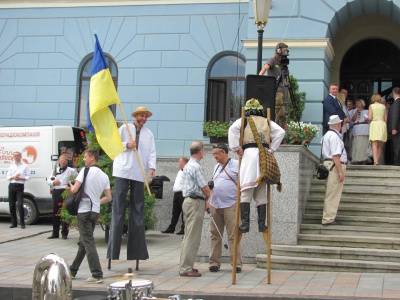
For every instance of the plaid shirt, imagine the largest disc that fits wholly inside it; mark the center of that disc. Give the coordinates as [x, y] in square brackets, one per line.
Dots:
[193, 179]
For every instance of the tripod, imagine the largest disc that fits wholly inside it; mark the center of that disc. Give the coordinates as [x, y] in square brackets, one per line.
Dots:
[283, 81]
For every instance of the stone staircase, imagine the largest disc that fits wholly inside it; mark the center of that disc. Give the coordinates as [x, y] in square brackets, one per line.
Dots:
[368, 237]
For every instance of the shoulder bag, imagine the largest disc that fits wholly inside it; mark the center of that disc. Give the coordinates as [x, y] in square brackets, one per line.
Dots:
[72, 201]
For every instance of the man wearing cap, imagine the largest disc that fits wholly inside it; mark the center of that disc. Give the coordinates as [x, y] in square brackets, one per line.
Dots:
[335, 160]
[273, 68]
[129, 177]
[252, 184]
[223, 207]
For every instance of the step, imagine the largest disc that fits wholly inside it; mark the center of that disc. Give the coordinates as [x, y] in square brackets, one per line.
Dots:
[360, 190]
[324, 252]
[355, 221]
[358, 200]
[349, 241]
[360, 210]
[350, 230]
[332, 265]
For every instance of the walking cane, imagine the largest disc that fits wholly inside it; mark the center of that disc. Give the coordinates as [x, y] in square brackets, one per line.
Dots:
[238, 233]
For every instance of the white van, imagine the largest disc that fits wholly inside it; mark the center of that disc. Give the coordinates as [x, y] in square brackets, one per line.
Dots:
[40, 147]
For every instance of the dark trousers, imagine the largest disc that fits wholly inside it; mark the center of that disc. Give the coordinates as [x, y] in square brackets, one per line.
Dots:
[136, 245]
[86, 246]
[57, 202]
[396, 149]
[177, 211]
[16, 199]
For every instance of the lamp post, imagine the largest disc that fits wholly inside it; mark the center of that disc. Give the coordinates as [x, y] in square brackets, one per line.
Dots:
[261, 13]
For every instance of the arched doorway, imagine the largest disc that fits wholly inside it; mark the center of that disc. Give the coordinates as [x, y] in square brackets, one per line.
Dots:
[370, 66]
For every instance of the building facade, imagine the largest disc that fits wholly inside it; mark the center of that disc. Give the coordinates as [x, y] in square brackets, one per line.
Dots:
[187, 61]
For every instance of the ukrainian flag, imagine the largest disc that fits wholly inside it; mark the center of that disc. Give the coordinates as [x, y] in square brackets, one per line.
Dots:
[102, 94]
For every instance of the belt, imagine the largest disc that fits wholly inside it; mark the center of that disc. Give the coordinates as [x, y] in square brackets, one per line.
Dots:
[330, 159]
[197, 197]
[254, 145]
[11, 183]
[359, 123]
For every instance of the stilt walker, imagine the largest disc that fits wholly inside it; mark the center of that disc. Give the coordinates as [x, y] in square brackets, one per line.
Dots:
[140, 164]
[254, 138]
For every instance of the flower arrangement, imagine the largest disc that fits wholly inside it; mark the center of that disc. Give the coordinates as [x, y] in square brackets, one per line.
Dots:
[299, 133]
[216, 128]
[105, 163]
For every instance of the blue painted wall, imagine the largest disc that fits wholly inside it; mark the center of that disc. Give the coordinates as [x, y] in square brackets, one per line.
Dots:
[162, 53]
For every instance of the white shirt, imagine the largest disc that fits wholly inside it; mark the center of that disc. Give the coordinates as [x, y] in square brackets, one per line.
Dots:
[95, 183]
[125, 164]
[64, 177]
[178, 182]
[23, 171]
[332, 144]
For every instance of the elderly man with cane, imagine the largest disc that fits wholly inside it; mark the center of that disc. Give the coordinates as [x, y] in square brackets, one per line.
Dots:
[223, 207]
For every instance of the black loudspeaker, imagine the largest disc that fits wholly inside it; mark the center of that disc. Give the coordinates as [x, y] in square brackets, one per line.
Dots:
[262, 88]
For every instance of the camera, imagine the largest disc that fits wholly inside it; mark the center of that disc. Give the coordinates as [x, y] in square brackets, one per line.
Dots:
[211, 184]
[284, 56]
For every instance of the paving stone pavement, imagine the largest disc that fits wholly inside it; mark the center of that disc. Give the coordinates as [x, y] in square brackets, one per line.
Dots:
[21, 249]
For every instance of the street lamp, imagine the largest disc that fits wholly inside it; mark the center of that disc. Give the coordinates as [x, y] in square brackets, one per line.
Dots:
[261, 13]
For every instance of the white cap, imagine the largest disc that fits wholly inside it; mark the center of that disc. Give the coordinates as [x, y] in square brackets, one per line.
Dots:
[334, 119]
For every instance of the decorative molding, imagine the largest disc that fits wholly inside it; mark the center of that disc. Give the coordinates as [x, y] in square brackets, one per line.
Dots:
[80, 3]
[303, 44]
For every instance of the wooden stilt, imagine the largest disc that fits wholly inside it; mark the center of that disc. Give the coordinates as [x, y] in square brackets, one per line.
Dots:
[269, 233]
[137, 265]
[238, 233]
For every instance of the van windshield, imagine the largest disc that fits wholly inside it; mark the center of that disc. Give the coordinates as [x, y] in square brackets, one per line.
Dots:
[73, 148]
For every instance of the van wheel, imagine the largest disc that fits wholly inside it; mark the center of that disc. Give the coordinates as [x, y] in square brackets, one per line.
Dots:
[31, 212]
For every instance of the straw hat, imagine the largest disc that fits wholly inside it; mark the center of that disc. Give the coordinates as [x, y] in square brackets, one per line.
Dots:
[334, 119]
[141, 110]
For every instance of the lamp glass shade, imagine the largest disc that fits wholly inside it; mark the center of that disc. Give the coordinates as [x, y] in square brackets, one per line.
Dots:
[261, 11]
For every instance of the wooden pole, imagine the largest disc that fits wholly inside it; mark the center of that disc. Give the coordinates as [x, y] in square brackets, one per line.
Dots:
[135, 150]
[238, 233]
[268, 240]
[269, 233]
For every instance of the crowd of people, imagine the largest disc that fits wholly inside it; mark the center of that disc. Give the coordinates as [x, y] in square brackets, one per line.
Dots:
[352, 133]
[367, 133]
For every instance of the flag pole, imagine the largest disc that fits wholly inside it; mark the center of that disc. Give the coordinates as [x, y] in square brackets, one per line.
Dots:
[134, 149]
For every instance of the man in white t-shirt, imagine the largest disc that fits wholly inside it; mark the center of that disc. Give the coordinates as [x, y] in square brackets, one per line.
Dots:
[178, 200]
[96, 183]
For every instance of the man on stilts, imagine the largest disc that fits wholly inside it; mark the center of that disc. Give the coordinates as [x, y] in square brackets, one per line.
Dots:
[252, 185]
[128, 169]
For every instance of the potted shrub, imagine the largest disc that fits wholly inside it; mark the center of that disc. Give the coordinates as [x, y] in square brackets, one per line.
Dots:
[216, 130]
[299, 133]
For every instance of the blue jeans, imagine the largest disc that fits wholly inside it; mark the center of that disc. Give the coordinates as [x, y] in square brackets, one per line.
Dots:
[86, 223]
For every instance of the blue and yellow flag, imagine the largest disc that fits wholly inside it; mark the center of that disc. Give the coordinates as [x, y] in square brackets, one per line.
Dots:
[102, 94]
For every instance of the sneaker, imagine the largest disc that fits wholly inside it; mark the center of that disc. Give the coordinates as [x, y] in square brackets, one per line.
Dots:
[94, 280]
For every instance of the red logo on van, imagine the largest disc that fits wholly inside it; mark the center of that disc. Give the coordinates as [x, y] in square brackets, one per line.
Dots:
[29, 155]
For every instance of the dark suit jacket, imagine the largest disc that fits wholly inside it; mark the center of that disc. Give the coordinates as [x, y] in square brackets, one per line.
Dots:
[332, 107]
[394, 118]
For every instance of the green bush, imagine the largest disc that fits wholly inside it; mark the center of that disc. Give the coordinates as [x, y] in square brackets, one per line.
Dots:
[105, 164]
